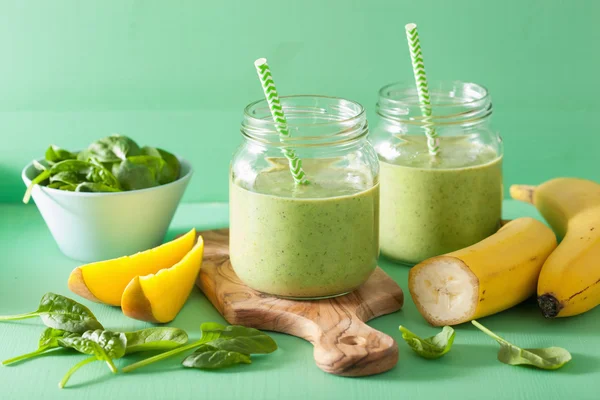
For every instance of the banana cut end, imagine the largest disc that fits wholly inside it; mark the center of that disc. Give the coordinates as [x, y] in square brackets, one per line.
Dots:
[444, 290]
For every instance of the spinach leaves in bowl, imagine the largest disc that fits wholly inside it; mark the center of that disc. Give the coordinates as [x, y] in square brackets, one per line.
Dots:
[113, 164]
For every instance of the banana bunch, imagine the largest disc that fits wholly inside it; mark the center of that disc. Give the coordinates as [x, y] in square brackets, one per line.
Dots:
[520, 259]
[569, 283]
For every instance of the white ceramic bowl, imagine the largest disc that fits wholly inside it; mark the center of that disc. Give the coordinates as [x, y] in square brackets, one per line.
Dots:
[99, 226]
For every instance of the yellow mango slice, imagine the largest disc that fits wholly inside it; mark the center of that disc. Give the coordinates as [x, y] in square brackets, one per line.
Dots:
[159, 297]
[105, 281]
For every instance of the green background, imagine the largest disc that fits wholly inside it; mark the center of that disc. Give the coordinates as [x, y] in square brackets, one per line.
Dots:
[177, 74]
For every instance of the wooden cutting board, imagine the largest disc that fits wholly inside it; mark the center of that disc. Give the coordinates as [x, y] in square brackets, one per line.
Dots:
[343, 343]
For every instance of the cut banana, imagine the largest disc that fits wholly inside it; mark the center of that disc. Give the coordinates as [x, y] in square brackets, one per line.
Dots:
[488, 277]
[445, 287]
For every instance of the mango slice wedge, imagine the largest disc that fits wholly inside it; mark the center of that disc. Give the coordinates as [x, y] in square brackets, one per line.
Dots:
[159, 297]
[105, 281]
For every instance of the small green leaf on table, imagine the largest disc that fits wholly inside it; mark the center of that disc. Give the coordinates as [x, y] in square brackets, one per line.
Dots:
[103, 345]
[209, 357]
[432, 347]
[60, 312]
[229, 339]
[544, 358]
[159, 338]
[48, 341]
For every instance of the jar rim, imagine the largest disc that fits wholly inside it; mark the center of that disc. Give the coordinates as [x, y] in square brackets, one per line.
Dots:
[311, 120]
[452, 102]
[360, 112]
[410, 86]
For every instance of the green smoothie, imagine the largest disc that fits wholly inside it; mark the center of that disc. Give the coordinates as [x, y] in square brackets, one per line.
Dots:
[434, 206]
[310, 241]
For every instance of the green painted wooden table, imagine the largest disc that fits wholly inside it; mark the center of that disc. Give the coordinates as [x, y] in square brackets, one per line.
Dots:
[31, 265]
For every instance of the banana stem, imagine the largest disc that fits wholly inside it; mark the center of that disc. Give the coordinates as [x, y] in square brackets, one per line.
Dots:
[523, 193]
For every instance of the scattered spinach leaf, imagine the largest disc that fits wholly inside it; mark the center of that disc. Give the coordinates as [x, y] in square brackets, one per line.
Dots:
[545, 358]
[244, 340]
[209, 357]
[155, 339]
[60, 312]
[48, 341]
[113, 343]
[103, 345]
[432, 347]
[74, 368]
[216, 335]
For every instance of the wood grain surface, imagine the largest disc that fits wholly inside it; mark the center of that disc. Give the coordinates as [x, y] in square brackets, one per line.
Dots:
[343, 343]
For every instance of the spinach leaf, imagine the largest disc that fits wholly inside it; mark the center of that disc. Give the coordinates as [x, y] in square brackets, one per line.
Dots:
[68, 187]
[112, 149]
[75, 172]
[35, 181]
[55, 154]
[100, 174]
[101, 344]
[151, 151]
[72, 370]
[155, 339]
[171, 170]
[39, 166]
[113, 343]
[545, 358]
[111, 164]
[139, 172]
[60, 312]
[244, 340]
[211, 331]
[84, 346]
[431, 347]
[235, 339]
[67, 178]
[209, 357]
[48, 341]
[94, 187]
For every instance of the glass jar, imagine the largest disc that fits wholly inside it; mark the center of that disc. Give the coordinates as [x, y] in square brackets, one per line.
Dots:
[432, 205]
[312, 240]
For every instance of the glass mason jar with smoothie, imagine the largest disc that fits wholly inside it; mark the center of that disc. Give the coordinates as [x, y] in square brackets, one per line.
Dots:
[435, 204]
[310, 240]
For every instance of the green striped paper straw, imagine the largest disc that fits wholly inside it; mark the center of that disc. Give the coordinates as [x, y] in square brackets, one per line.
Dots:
[266, 79]
[416, 56]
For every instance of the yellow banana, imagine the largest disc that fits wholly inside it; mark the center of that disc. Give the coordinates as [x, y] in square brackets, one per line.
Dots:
[569, 282]
[488, 277]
